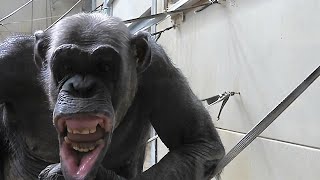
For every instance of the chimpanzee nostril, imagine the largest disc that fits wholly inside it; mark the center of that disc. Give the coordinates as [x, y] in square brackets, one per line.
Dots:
[80, 86]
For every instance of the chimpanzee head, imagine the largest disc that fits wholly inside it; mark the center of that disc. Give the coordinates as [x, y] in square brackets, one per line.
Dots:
[89, 65]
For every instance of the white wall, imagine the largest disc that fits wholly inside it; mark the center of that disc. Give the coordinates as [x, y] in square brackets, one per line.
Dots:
[263, 49]
[128, 9]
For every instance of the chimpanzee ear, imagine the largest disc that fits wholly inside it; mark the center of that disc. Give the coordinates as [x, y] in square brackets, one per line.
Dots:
[142, 50]
[40, 48]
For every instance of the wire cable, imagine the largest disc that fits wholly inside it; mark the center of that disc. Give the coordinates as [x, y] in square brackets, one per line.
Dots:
[23, 21]
[13, 12]
[66, 13]
[4, 27]
[100, 6]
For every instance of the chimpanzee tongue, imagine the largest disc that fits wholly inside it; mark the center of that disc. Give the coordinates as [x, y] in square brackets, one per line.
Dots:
[75, 166]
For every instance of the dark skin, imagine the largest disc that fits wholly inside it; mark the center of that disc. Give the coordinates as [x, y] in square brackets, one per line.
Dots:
[97, 76]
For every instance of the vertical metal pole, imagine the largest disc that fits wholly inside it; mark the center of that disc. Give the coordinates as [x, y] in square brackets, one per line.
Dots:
[153, 11]
[154, 144]
[93, 4]
[108, 5]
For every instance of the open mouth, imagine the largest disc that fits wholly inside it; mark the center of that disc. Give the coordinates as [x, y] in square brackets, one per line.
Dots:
[82, 139]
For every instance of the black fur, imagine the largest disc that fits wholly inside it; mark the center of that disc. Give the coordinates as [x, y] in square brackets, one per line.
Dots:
[146, 89]
[27, 138]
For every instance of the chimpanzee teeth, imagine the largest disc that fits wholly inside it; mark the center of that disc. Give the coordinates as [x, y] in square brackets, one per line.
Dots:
[85, 131]
[101, 124]
[67, 140]
[100, 141]
[82, 131]
[83, 147]
[75, 148]
[75, 131]
[93, 130]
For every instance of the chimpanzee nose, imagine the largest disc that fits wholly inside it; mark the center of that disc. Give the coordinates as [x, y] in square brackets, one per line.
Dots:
[80, 86]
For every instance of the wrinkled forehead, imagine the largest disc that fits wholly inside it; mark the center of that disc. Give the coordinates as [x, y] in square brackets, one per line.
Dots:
[88, 30]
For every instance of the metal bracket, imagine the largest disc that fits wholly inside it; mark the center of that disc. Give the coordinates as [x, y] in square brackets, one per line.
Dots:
[224, 97]
[205, 7]
[177, 19]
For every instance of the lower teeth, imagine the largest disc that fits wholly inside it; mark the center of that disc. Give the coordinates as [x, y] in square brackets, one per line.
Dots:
[83, 147]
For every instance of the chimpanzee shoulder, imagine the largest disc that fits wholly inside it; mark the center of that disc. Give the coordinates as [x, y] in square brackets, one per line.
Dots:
[25, 117]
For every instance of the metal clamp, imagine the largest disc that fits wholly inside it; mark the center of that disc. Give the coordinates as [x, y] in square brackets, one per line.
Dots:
[206, 6]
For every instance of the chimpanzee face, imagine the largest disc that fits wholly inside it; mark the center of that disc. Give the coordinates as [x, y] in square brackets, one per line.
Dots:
[89, 67]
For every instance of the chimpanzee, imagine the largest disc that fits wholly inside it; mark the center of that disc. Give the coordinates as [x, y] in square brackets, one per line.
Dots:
[106, 87]
[27, 138]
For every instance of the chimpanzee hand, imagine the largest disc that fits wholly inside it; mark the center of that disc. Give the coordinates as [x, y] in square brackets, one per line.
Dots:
[104, 174]
[53, 172]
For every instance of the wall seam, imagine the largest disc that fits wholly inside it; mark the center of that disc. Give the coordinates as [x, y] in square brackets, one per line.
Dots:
[272, 139]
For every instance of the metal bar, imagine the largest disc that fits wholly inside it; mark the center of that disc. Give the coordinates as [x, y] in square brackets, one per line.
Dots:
[153, 11]
[265, 122]
[109, 2]
[159, 32]
[152, 139]
[109, 9]
[177, 5]
[13, 12]
[148, 21]
[145, 24]
[93, 4]
[23, 21]
[153, 131]
[164, 14]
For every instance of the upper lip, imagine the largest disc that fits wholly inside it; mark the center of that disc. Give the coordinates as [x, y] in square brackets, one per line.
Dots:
[103, 120]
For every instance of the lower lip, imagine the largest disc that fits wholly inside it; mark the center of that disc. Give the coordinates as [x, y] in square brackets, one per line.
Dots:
[75, 169]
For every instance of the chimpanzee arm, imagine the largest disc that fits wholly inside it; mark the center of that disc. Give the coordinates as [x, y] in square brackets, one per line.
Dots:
[54, 172]
[181, 121]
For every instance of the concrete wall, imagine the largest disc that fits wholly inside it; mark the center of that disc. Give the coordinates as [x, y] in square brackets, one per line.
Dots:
[263, 49]
[128, 9]
[42, 12]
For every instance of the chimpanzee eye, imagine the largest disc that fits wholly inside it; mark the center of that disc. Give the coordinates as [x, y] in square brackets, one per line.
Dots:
[103, 67]
[106, 68]
[63, 71]
[67, 69]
